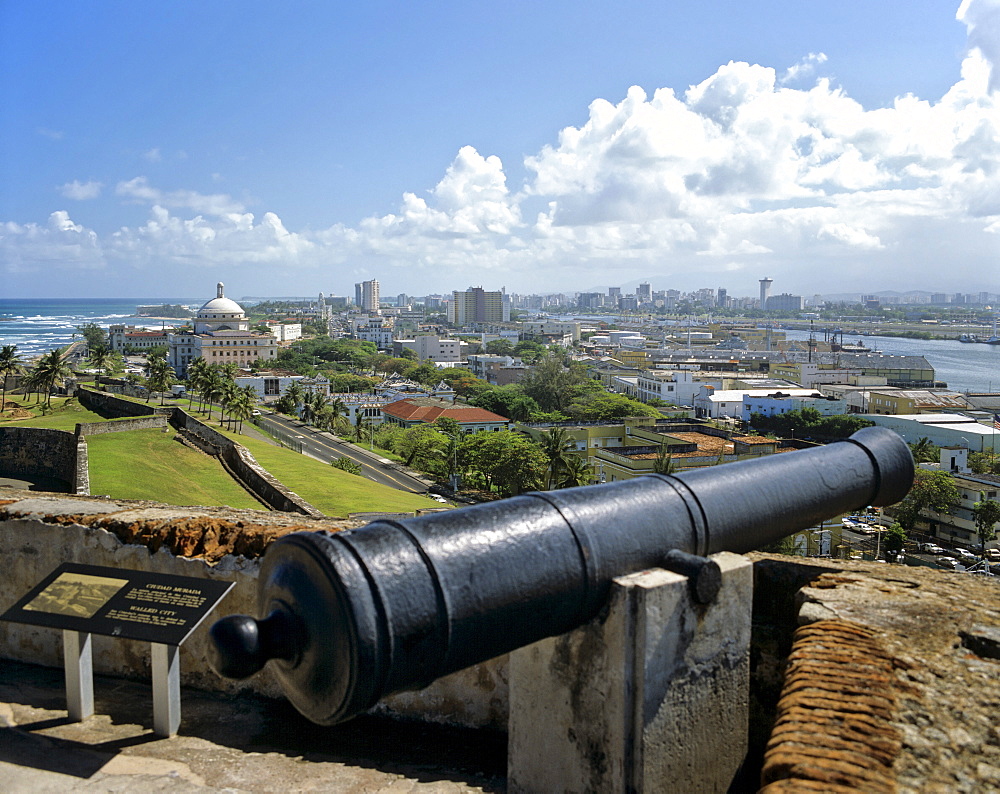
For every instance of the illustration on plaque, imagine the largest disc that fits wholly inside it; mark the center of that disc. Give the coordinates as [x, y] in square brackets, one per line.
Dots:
[76, 594]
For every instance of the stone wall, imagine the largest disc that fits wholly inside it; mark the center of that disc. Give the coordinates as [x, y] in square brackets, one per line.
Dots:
[40, 452]
[236, 458]
[244, 467]
[121, 425]
[40, 532]
[113, 407]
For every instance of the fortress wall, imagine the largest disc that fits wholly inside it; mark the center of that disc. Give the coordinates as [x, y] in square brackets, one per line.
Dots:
[109, 405]
[244, 466]
[39, 452]
[120, 425]
[38, 533]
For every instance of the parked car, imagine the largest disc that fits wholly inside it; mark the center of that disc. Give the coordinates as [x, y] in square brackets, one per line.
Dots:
[931, 548]
[965, 554]
[993, 555]
[947, 562]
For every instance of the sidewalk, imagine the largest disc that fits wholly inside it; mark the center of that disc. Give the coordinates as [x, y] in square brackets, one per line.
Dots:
[225, 743]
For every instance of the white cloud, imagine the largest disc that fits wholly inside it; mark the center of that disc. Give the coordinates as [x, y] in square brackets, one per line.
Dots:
[982, 20]
[741, 171]
[212, 204]
[52, 135]
[152, 156]
[81, 191]
[804, 68]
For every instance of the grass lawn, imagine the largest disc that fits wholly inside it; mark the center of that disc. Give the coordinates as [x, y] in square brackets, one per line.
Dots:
[149, 464]
[332, 491]
[63, 415]
[329, 490]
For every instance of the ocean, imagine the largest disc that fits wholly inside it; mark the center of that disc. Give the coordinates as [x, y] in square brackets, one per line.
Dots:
[38, 325]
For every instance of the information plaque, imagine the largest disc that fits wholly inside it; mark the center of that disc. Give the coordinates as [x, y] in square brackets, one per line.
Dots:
[157, 608]
[133, 605]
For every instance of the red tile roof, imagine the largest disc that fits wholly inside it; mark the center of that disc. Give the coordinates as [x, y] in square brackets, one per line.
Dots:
[421, 411]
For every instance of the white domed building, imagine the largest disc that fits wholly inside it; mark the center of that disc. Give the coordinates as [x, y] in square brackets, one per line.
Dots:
[221, 335]
[221, 314]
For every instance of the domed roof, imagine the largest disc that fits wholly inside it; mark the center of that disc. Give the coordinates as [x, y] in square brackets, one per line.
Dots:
[220, 304]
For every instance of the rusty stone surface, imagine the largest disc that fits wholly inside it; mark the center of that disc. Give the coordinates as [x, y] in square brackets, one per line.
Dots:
[201, 532]
[843, 667]
[881, 691]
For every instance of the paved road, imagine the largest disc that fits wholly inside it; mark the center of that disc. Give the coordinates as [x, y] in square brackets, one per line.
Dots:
[328, 448]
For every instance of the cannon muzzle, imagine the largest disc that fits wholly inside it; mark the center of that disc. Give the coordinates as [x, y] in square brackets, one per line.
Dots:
[349, 617]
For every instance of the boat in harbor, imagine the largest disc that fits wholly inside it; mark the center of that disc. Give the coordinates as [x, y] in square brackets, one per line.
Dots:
[969, 338]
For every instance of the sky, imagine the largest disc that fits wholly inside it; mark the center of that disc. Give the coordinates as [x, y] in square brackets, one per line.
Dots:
[153, 149]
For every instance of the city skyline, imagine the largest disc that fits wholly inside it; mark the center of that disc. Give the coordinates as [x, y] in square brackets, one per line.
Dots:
[147, 151]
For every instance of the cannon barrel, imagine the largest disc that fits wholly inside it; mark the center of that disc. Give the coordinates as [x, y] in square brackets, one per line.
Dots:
[349, 617]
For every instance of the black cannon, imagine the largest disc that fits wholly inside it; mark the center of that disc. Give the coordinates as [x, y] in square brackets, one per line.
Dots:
[352, 616]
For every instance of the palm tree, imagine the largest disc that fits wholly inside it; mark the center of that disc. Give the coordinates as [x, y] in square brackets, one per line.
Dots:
[53, 368]
[32, 382]
[556, 445]
[197, 374]
[161, 377]
[924, 451]
[295, 393]
[211, 390]
[10, 364]
[241, 405]
[664, 463]
[104, 359]
[576, 471]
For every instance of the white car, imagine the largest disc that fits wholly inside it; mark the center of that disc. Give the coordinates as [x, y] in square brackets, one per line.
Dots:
[948, 562]
[965, 554]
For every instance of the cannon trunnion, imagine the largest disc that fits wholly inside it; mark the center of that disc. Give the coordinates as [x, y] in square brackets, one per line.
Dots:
[349, 617]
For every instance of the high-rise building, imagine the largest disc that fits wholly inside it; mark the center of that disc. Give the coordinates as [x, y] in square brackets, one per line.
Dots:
[614, 293]
[765, 291]
[722, 299]
[644, 293]
[784, 303]
[476, 305]
[369, 296]
[357, 294]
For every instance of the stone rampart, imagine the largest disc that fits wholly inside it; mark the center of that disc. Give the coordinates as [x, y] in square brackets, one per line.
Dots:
[244, 467]
[113, 407]
[40, 532]
[121, 425]
[40, 452]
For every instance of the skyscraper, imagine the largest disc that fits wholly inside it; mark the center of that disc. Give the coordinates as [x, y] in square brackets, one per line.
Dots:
[369, 296]
[765, 291]
[476, 305]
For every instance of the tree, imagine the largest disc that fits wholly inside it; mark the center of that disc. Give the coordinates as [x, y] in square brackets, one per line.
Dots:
[10, 364]
[422, 446]
[895, 539]
[348, 465]
[106, 360]
[52, 369]
[241, 406]
[500, 347]
[161, 377]
[553, 382]
[932, 489]
[664, 463]
[506, 460]
[602, 406]
[556, 446]
[97, 337]
[986, 514]
[295, 393]
[509, 401]
[576, 472]
[924, 451]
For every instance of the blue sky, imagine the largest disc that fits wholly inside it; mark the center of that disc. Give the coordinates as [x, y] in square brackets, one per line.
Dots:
[545, 147]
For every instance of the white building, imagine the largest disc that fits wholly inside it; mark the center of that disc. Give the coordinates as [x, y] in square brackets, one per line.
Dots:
[373, 328]
[271, 384]
[778, 403]
[551, 328]
[942, 430]
[287, 332]
[438, 349]
[221, 335]
[714, 403]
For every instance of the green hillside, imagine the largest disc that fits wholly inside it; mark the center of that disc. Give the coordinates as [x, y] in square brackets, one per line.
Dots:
[149, 464]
